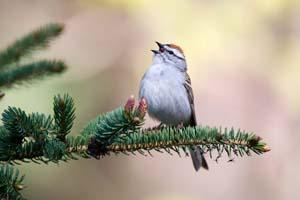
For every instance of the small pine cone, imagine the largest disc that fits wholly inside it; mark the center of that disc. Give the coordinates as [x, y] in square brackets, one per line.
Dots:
[129, 105]
[142, 108]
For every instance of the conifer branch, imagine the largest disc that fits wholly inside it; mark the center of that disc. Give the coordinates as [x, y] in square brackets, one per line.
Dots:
[27, 137]
[41, 138]
[25, 46]
[173, 139]
[170, 139]
[11, 183]
[64, 115]
[38, 137]
[35, 70]
[12, 71]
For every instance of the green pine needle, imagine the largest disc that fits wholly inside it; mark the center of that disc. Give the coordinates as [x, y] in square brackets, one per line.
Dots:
[42, 139]
[64, 115]
[30, 71]
[173, 139]
[11, 183]
[36, 40]
[15, 121]
[54, 150]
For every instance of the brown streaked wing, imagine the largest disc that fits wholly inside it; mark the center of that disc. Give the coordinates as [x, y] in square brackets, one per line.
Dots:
[189, 90]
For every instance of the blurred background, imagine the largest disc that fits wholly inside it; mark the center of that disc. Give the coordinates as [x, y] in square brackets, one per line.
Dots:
[243, 59]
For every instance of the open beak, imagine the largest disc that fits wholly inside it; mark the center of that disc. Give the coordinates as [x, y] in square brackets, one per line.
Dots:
[161, 46]
[155, 52]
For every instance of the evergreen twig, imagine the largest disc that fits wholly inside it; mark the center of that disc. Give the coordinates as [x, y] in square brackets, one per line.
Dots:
[37, 138]
[64, 115]
[12, 71]
[25, 46]
[11, 183]
[40, 138]
[30, 71]
[23, 135]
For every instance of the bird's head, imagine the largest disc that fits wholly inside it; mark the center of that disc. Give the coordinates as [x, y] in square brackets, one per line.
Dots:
[170, 54]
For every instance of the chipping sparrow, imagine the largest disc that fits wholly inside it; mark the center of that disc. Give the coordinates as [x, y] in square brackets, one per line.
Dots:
[166, 86]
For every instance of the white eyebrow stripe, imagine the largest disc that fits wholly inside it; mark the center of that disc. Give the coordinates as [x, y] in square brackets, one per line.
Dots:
[176, 52]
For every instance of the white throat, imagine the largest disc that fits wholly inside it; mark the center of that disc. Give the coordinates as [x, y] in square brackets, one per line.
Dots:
[163, 59]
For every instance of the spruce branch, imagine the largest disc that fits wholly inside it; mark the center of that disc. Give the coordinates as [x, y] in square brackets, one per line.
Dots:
[25, 46]
[173, 139]
[27, 72]
[42, 139]
[64, 115]
[109, 138]
[13, 72]
[108, 128]
[36, 136]
[11, 183]
[15, 121]
[29, 137]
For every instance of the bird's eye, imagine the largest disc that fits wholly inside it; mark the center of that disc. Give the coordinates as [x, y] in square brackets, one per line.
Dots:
[171, 52]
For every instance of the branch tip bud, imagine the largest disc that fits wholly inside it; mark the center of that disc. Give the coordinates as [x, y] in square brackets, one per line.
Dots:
[142, 108]
[129, 104]
[266, 149]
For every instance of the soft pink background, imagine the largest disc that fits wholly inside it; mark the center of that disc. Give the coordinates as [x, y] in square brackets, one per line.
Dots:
[243, 58]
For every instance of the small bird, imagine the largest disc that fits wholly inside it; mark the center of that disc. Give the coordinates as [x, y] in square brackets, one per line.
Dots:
[166, 87]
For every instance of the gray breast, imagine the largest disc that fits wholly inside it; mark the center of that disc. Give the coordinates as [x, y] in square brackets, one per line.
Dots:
[166, 96]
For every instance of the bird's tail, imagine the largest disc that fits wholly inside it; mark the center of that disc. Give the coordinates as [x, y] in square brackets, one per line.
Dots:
[198, 158]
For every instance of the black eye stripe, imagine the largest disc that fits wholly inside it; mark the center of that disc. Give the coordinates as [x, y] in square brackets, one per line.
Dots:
[172, 53]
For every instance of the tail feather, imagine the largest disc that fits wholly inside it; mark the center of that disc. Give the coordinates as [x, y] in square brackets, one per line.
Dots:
[198, 159]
